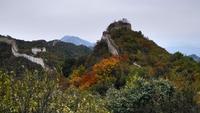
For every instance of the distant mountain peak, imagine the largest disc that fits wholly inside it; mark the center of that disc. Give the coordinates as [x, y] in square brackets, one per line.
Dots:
[195, 57]
[77, 41]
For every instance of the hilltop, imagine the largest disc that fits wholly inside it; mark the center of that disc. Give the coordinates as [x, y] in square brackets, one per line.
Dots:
[120, 39]
[122, 51]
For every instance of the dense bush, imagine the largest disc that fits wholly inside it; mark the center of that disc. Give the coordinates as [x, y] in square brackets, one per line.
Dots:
[154, 96]
[36, 93]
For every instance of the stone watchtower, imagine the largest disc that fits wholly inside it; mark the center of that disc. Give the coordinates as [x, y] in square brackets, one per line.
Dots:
[123, 23]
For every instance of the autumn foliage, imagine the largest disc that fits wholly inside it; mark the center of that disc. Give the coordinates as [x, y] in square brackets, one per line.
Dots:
[87, 80]
[101, 71]
[106, 66]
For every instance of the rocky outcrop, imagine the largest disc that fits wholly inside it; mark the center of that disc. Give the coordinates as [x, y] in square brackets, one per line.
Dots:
[17, 54]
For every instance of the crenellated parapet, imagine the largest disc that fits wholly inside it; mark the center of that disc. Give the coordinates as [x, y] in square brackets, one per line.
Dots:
[123, 23]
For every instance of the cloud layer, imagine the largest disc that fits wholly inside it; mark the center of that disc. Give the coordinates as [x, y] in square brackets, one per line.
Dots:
[170, 23]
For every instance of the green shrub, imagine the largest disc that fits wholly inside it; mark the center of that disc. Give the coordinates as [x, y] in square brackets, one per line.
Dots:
[154, 96]
[36, 93]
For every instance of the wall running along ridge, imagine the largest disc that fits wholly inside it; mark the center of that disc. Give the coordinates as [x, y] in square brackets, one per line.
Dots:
[14, 49]
[112, 47]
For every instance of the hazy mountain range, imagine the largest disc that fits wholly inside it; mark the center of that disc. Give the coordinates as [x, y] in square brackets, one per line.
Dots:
[77, 41]
[188, 50]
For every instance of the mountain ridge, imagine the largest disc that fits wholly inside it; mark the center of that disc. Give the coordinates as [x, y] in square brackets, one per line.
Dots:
[123, 55]
[128, 42]
[76, 40]
[48, 55]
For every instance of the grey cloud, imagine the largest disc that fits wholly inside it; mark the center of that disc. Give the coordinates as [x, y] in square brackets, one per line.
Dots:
[168, 22]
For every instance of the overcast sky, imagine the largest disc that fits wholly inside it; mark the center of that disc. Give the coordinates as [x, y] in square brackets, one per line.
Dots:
[173, 24]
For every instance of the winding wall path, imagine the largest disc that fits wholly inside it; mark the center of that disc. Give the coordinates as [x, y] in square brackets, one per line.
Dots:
[111, 45]
[15, 52]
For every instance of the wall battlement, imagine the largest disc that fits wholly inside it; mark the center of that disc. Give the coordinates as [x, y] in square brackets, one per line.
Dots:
[123, 23]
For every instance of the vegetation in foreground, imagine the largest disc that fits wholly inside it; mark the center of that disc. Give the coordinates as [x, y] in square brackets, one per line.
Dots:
[35, 93]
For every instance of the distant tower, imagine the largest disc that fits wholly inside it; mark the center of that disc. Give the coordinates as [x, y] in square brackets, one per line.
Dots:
[124, 20]
[122, 23]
